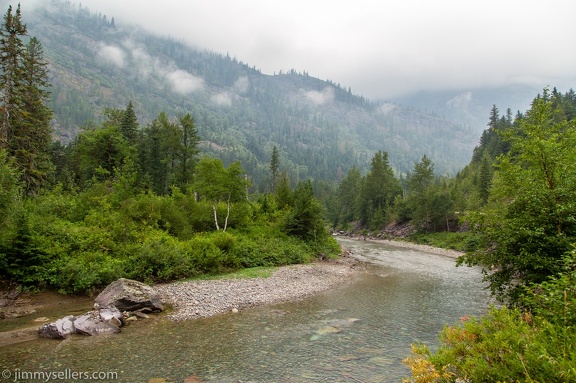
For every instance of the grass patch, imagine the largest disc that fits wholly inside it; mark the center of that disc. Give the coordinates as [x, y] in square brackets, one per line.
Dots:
[247, 273]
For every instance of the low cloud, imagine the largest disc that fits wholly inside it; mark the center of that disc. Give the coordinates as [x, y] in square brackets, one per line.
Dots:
[183, 82]
[111, 54]
[460, 101]
[386, 108]
[320, 98]
[241, 85]
[222, 99]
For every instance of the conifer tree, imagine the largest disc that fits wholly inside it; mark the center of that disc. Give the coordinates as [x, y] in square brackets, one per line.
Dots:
[187, 151]
[31, 143]
[129, 124]
[274, 165]
[11, 52]
[25, 121]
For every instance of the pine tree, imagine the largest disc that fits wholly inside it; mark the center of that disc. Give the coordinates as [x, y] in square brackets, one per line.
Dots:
[129, 124]
[274, 165]
[187, 150]
[25, 122]
[31, 144]
[380, 187]
[11, 52]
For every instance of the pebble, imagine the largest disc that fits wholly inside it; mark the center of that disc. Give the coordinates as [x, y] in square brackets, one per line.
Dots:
[200, 299]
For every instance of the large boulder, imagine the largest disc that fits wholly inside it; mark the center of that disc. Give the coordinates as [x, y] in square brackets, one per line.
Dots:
[129, 295]
[59, 329]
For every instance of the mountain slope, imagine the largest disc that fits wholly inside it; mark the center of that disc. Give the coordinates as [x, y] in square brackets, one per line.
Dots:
[320, 129]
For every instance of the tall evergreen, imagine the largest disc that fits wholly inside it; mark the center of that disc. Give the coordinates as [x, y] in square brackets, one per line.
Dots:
[129, 124]
[274, 165]
[187, 151]
[25, 123]
[11, 53]
[380, 188]
[32, 142]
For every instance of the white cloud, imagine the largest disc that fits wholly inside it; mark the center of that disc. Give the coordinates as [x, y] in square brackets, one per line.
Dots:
[241, 85]
[222, 99]
[320, 98]
[460, 101]
[111, 54]
[386, 108]
[183, 82]
[379, 48]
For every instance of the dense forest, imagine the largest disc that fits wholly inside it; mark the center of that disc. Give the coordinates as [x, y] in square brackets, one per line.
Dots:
[152, 201]
[320, 128]
[121, 200]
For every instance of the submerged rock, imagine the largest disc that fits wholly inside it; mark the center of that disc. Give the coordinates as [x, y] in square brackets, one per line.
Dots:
[59, 329]
[123, 295]
[88, 325]
[112, 315]
[129, 295]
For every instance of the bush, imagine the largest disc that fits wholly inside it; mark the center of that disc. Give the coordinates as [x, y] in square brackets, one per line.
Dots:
[161, 258]
[84, 272]
[503, 346]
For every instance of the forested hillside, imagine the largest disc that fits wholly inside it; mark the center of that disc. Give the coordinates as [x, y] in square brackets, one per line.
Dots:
[320, 128]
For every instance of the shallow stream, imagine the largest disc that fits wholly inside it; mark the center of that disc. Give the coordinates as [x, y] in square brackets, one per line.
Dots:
[359, 332]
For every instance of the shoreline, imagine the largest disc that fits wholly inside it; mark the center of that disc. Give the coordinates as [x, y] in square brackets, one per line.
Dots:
[413, 246]
[206, 298]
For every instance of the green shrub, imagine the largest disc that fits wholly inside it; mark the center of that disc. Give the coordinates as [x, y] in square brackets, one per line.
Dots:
[207, 257]
[86, 271]
[247, 253]
[162, 258]
[503, 346]
[555, 299]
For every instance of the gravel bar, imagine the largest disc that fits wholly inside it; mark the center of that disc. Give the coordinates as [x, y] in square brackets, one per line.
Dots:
[204, 298]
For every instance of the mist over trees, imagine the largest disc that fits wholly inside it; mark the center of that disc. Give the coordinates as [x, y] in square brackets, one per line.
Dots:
[180, 196]
[126, 200]
[320, 128]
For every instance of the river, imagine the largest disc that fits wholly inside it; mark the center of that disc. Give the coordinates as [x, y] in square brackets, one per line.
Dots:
[359, 332]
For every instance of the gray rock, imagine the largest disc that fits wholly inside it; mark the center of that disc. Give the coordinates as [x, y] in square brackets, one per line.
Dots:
[129, 295]
[59, 329]
[111, 314]
[88, 325]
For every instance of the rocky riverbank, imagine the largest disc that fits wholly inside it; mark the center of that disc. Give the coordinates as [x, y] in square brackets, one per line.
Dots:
[415, 246]
[198, 299]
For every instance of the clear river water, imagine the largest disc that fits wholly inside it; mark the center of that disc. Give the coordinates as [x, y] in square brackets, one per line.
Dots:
[358, 332]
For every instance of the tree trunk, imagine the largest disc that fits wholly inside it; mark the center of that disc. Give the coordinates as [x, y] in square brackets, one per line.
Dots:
[227, 213]
[215, 216]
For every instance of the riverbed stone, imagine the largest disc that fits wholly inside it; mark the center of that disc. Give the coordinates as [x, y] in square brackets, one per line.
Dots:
[59, 329]
[87, 324]
[111, 314]
[129, 295]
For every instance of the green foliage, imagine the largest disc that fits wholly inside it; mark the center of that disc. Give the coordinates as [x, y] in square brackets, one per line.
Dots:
[129, 124]
[430, 205]
[555, 299]
[25, 130]
[380, 189]
[305, 219]
[217, 184]
[503, 346]
[9, 188]
[528, 224]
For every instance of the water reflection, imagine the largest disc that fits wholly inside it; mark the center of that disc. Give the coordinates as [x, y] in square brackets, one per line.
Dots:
[358, 332]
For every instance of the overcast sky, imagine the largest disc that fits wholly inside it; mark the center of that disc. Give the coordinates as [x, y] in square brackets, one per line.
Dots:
[379, 48]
